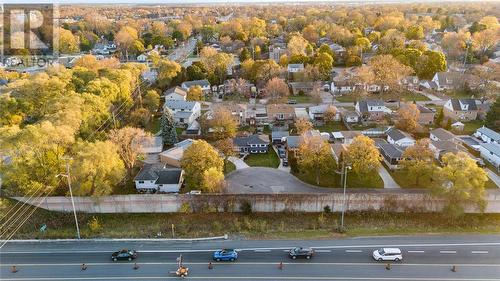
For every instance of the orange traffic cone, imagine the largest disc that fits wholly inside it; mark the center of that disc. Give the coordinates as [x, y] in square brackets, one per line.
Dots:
[14, 269]
[210, 265]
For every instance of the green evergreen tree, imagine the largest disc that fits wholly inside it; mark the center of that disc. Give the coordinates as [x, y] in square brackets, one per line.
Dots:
[439, 118]
[168, 132]
[492, 119]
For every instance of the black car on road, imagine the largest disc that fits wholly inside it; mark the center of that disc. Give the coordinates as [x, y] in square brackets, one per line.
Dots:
[300, 252]
[124, 255]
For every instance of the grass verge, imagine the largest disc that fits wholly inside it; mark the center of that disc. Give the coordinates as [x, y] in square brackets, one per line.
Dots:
[372, 180]
[253, 226]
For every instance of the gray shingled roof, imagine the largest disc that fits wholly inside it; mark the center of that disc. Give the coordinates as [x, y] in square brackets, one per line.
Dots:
[252, 139]
[442, 134]
[396, 134]
[293, 141]
[148, 172]
[455, 103]
[201, 83]
[180, 104]
[169, 176]
[279, 134]
[492, 147]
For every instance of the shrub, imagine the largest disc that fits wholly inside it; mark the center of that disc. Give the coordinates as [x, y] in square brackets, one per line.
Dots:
[327, 209]
[94, 225]
[246, 207]
[185, 208]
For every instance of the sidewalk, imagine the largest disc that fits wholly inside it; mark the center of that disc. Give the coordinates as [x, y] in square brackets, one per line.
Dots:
[494, 177]
[387, 178]
[239, 163]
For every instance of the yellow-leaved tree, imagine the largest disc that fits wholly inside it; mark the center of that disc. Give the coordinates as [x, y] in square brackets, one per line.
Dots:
[197, 159]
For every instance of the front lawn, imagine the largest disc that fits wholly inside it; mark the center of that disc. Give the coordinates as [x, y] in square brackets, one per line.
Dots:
[229, 167]
[471, 126]
[332, 127]
[300, 98]
[372, 180]
[269, 159]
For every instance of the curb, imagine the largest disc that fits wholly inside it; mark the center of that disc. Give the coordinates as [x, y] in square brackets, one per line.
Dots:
[224, 237]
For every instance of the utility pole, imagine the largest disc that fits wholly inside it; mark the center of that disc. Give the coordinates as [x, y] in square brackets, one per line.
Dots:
[468, 43]
[343, 198]
[68, 176]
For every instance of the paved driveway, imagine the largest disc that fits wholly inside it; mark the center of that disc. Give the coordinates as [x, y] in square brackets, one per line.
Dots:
[238, 162]
[387, 178]
[267, 180]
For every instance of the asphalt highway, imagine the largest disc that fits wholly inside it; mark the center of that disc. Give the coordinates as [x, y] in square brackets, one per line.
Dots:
[425, 258]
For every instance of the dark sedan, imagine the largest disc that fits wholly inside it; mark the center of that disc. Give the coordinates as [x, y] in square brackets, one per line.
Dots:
[124, 255]
[300, 252]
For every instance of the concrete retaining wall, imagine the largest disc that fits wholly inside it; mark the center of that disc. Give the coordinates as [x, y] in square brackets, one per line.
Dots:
[166, 203]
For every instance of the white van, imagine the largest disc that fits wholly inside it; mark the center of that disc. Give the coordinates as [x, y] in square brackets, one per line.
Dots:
[387, 254]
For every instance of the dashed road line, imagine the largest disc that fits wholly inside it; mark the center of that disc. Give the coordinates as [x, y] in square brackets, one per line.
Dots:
[479, 252]
[353, 251]
[323, 251]
[447, 252]
[416, 251]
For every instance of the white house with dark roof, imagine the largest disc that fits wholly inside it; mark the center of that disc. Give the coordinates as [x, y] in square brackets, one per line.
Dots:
[460, 109]
[204, 84]
[487, 135]
[157, 178]
[491, 153]
[175, 93]
[454, 80]
[251, 144]
[390, 152]
[372, 109]
[184, 112]
[295, 67]
[398, 137]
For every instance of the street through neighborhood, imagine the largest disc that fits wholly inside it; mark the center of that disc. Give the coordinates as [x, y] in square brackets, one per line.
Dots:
[475, 257]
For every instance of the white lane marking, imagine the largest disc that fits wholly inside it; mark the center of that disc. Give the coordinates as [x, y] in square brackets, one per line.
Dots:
[262, 251]
[353, 251]
[447, 252]
[323, 251]
[286, 251]
[251, 278]
[416, 251]
[479, 252]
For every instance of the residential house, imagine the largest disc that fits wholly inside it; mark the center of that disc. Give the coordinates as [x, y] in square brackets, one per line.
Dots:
[292, 144]
[256, 115]
[295, 67]
[491, 153]
[426, 116]
[338, 50]
[251, 144]
[204, 84]
[238, 111]
[487, 135]
[440, 134]
[351, 116]
[316, 113]
[372, 110]
[410, 82]
[461, 109]
[400, 138]
[377, 132]
[279, 137]
[276, 53]
[391, 153]
[156, 178]
[173, 156]
[345, 137]
[149, 144]
[440, 148]
[193, 130]
[302, 87]
[342, 87]
[175, 93]
[455, 80]
[184, 112]
[280, 113]
[301, 112]
[142, 57]
[458, 126]
[150, 76]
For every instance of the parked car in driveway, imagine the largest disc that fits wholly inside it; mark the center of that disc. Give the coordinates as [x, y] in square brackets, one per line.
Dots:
[225, 255]
[124, 254]
[300, 252]
[388, 254]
